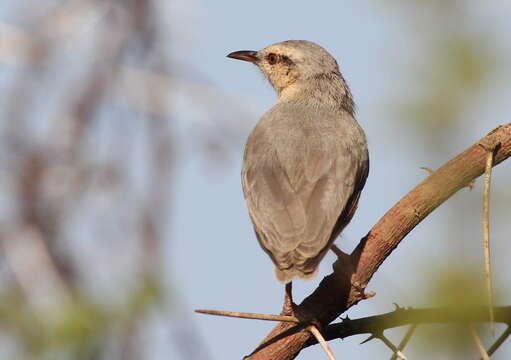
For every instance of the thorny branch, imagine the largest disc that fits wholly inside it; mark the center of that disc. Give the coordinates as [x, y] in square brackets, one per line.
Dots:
[343, 288]
[376, 325]
[400, 317]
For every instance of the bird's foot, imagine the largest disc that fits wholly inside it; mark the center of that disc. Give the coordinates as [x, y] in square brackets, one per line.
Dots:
[303, 316]
[305, 319]
[290, 308]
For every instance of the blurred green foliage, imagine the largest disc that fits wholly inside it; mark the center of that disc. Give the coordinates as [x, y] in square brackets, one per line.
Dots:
[459, 287]
[78, 329]
[457, 63]
[452, 79]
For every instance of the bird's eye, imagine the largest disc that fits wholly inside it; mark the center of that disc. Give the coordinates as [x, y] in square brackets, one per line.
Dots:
[272, 58]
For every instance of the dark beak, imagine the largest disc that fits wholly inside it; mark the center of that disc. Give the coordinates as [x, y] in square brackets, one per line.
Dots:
[245, 55]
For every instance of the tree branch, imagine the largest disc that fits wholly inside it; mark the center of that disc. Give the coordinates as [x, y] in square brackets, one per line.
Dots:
[343, 288]
[400, 317]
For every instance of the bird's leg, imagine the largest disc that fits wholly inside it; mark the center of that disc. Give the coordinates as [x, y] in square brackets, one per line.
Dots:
[290, 308]
[289, 305]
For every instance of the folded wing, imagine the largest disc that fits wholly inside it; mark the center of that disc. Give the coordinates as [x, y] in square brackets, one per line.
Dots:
[302, 184]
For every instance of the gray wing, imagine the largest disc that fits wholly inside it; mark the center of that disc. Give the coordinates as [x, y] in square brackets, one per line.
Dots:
[302, 172]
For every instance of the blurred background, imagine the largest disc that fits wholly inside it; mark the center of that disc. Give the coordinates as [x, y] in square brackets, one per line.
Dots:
[122, 127]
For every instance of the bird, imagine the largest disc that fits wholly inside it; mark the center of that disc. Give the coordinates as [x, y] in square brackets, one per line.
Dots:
[306, 161]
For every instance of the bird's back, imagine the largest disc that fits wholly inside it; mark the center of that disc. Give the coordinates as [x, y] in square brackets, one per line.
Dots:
[303, 170]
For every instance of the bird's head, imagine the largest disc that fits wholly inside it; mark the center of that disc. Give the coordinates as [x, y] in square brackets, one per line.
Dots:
[292, 62]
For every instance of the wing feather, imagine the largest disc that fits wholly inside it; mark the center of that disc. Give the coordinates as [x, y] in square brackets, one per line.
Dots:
[301, 170]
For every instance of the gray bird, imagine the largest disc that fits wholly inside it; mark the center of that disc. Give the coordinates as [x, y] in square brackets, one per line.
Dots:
[306, 161]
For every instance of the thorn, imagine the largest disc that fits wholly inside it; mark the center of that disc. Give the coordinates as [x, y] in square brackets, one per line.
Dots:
[499, 341]
[471, 184]
[371, 337]
[397, 307]
[243, 315]
[429, 170]
[369, 294]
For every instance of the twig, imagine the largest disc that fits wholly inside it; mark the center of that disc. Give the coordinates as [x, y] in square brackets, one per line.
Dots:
[379, 335]
[479, 344]
[405, 340]
[429, 170]
[392, 347]
[321, 340]
[499, 341]
[486, 234]
[243, 315]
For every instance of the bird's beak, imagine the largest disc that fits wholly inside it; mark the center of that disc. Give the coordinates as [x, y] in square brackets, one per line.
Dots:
[245, 55]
